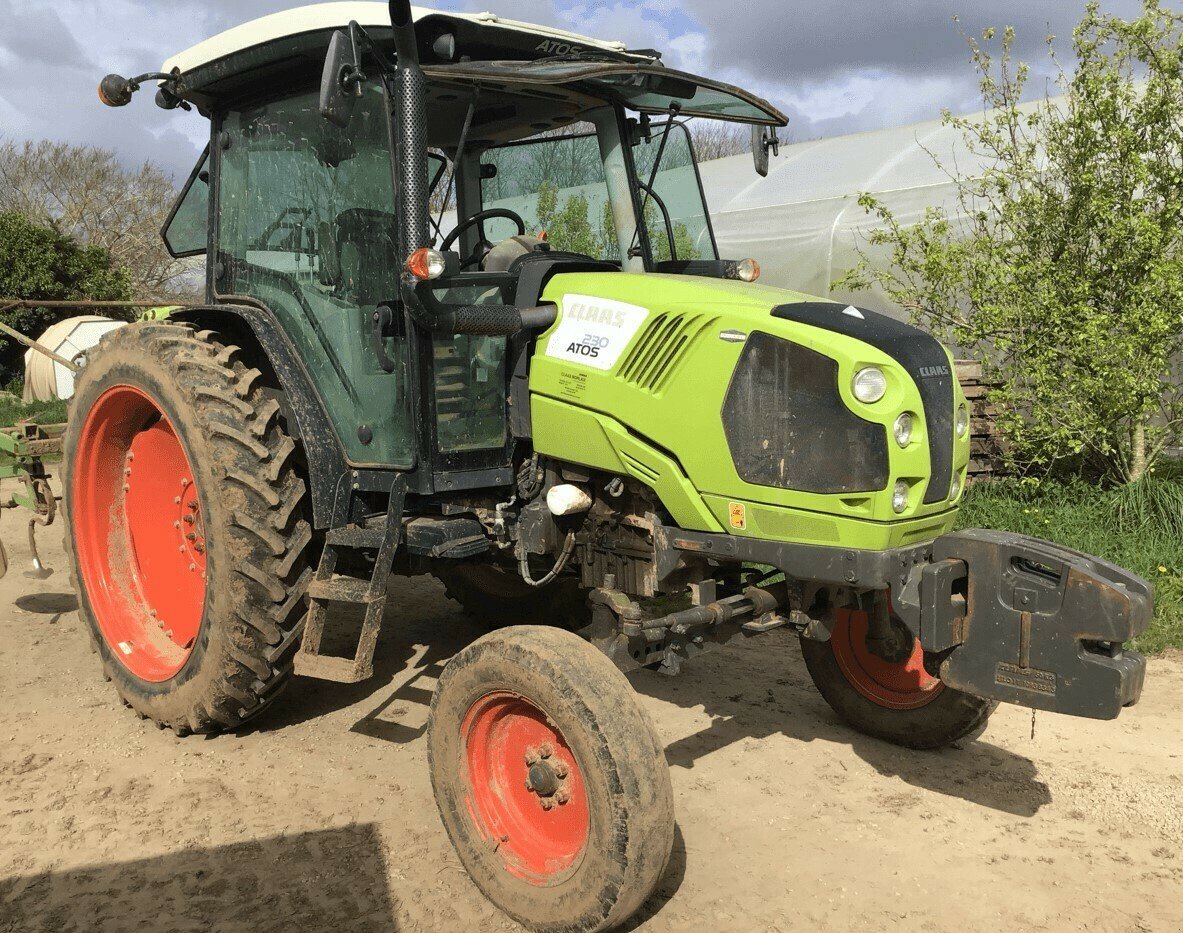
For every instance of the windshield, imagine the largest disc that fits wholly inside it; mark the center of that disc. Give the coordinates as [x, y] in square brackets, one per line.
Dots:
[556, 184]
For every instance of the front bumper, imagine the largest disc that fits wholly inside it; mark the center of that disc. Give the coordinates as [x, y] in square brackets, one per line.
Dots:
[1007, 617]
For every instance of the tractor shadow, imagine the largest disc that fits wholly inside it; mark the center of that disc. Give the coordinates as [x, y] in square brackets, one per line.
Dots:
[756, 694]
[751, 691]
[421, 631]
[322, 880]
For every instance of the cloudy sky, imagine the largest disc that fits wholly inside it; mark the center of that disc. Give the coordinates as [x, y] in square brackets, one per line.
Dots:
[835, 67]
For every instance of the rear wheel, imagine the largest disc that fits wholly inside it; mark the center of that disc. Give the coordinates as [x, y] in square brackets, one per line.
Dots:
[899, 702]
[186, 527]
[549, 780]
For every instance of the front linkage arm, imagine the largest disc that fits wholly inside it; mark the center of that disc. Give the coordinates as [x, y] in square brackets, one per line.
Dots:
[1000, 616]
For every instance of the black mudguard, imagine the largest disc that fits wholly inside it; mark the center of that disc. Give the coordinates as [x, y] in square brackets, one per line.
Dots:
[1025, 621]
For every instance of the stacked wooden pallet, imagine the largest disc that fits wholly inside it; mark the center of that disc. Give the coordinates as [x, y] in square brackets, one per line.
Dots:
[986, 459]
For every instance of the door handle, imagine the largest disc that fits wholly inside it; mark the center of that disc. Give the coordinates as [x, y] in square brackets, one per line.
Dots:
[383, 318]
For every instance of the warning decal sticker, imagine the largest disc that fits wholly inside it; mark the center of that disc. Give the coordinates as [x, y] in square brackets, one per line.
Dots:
[595, 331]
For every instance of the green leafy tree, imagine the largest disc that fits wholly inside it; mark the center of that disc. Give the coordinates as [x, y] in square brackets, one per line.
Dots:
[1063, 266]
[39, 263]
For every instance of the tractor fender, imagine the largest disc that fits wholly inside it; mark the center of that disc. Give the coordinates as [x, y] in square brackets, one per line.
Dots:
[313, 428]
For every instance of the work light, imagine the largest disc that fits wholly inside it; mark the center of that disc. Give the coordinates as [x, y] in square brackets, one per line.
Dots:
[870, 385]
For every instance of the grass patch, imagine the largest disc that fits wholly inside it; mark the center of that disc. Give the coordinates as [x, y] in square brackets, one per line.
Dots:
[13, 410]
[1139, 527]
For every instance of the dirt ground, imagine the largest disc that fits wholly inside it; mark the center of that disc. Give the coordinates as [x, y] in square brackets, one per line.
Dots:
[322, 818]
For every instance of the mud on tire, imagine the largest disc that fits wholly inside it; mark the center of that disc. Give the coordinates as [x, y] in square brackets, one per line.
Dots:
[589, 859]
[252, 506]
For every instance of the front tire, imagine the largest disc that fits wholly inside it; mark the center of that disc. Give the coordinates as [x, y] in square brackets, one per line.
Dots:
[549, 780]
[900, 703]
[186, 532]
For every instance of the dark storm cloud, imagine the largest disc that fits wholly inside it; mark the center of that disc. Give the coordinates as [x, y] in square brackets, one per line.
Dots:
[800, 40]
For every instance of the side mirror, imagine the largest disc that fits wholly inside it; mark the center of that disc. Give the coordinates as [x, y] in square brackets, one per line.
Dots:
[340, 84]
[764, 142]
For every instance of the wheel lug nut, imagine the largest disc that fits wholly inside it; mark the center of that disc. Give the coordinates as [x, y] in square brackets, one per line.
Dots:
[547, 750]
[563, 796]
[547, 803]
[561, 770]
[531, 755]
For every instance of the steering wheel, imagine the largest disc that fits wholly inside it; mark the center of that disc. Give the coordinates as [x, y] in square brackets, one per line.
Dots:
[478, 220]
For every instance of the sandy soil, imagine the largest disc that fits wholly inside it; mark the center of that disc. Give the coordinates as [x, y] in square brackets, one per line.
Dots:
[323, 817]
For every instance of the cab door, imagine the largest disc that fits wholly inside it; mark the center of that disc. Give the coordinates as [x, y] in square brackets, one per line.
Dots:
[306, 225]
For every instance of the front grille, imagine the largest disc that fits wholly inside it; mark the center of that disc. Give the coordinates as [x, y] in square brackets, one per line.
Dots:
[921, 356]
[662, 346]
[788, 427]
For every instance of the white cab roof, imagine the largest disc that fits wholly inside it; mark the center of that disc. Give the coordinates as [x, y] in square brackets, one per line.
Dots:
[325, 16]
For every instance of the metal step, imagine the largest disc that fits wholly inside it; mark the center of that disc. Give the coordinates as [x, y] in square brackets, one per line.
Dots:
[355, 536]
[338, 670]
[370, 594]
[343, 590]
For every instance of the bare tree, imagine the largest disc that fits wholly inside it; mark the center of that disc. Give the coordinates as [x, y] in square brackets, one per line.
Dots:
[84, 192]
[714, 139]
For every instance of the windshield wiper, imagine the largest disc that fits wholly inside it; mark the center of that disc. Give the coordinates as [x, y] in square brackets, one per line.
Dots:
[469, 117]
[633, 250]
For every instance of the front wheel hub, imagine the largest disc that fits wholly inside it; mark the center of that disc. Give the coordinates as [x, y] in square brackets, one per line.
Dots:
[899, 681]
[527, 793]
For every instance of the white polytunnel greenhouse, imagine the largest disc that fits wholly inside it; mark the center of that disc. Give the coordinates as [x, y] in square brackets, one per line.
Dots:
[804, 223]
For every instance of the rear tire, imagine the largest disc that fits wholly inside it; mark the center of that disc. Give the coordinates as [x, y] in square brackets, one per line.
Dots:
[224, 557]
[898, 703]
[584, 845]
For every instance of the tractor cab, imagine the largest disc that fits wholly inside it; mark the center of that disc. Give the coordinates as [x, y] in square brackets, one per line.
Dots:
[546, 153]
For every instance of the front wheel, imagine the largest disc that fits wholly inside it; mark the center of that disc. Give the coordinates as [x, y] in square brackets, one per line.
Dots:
[549, 780]
[898, 702]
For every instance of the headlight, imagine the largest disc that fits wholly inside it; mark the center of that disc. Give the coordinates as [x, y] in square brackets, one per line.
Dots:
[903, 429]
[962, 421]
[870, 385]
[955, 489]
[899, 501]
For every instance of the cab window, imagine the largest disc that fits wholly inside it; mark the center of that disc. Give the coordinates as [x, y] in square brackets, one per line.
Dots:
[556, 185]
[675, 210]
[186, 232]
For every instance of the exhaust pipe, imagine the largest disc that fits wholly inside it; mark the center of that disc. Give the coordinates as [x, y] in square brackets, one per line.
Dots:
[411, 89]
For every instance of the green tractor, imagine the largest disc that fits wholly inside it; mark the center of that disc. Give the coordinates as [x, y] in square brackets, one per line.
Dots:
[611, 434]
